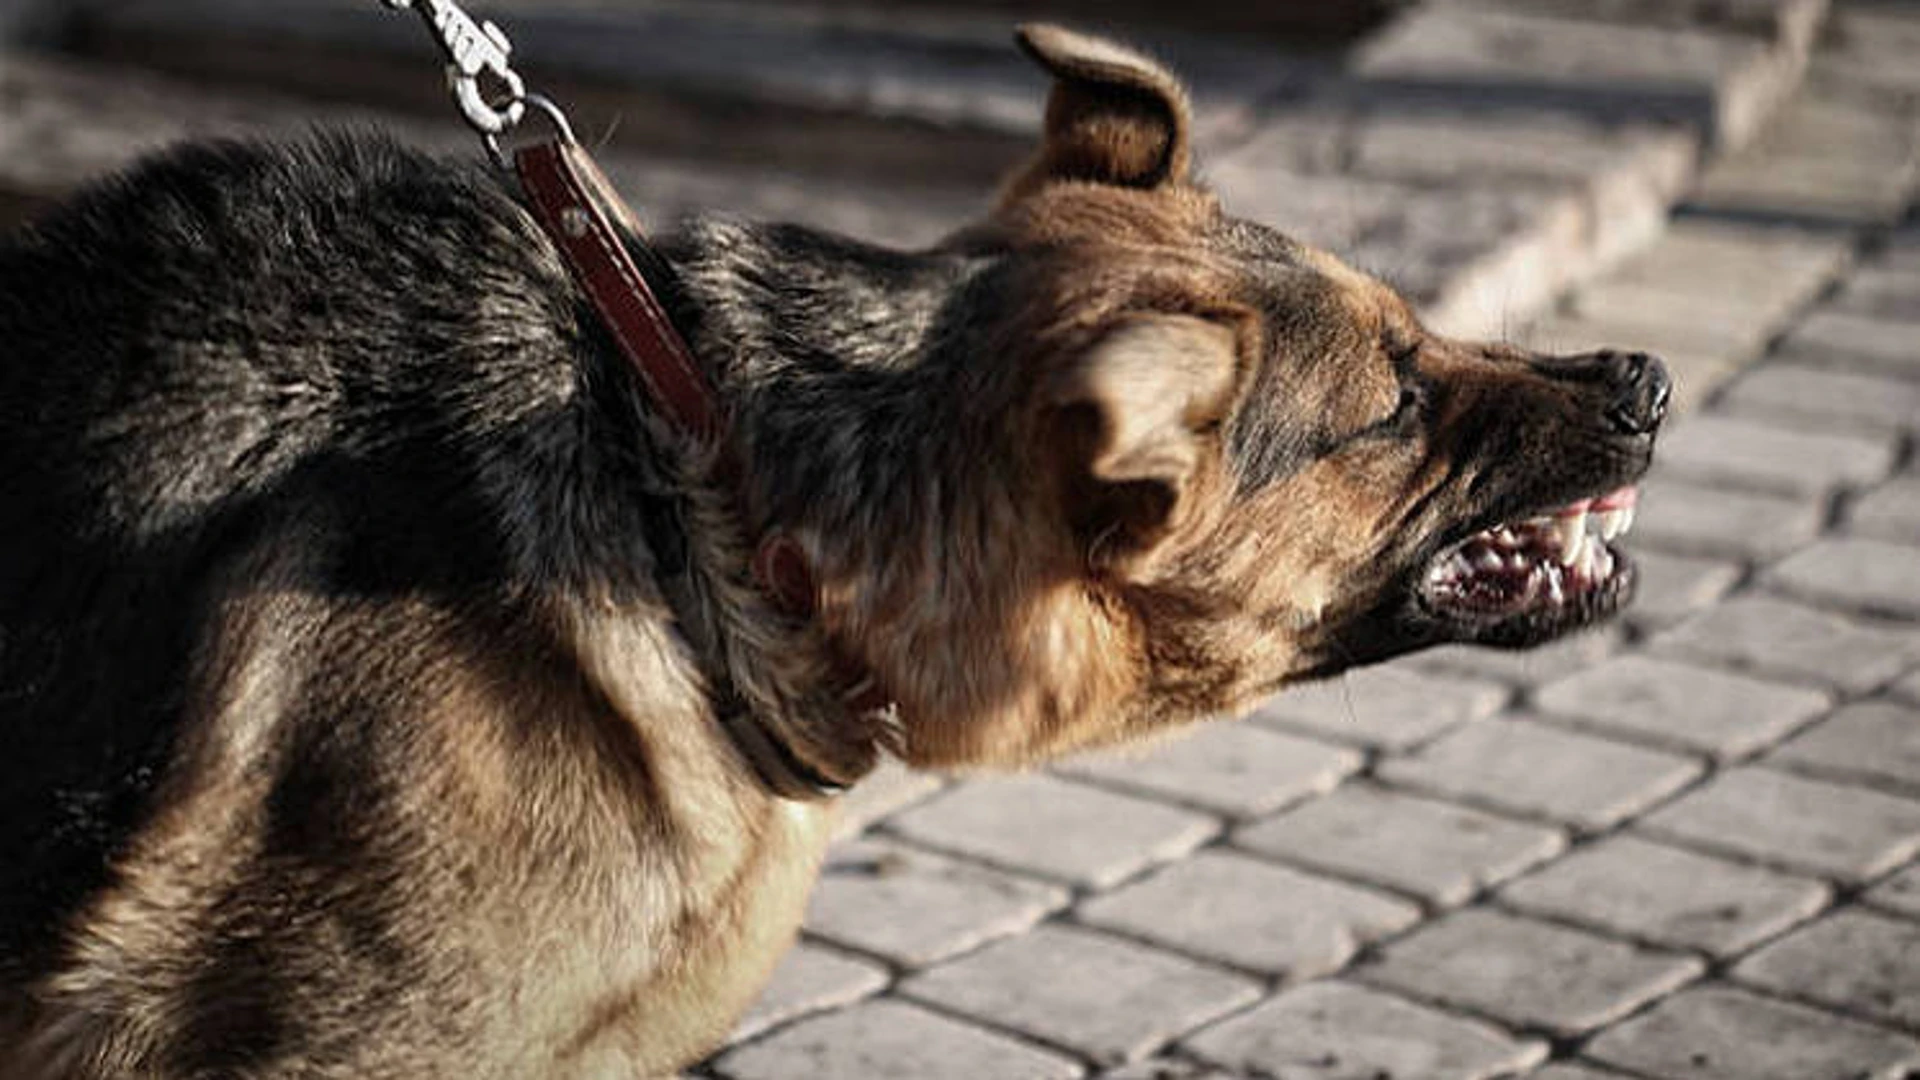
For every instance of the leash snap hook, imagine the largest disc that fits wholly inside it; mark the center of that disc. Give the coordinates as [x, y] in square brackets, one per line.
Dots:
[474, 49]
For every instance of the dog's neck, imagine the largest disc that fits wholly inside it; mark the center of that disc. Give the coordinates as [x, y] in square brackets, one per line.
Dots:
[827, 357]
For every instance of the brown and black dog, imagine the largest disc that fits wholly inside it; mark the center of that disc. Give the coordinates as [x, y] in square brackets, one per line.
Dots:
[349, 731]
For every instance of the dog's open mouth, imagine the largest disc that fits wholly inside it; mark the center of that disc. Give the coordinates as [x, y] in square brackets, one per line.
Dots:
[1523, 582]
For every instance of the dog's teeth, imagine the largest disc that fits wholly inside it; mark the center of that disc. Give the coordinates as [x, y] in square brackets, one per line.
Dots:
[1625, 517]
[1488, 560]
[1613, 522]
[1570, 534]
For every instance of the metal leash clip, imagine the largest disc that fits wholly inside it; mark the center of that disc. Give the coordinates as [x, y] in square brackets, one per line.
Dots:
[475, 49]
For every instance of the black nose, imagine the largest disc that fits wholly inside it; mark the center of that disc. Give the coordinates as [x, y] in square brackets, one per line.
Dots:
[1641, 391]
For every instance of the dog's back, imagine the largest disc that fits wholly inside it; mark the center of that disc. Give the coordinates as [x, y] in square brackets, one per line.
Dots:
[288, 436]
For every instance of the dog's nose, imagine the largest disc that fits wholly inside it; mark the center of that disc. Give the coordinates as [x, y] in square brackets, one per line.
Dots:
[1641, 391]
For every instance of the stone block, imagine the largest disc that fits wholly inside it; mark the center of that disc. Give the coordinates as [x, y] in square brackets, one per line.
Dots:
[1718, 1030]
[916, 908]
[1674, 587]
[1390, 708]
[1712, 520]
[1762, 455]
[1109, 999]
[1235, 769]
[1527, 973]
[1525, 767]
[1899, 893]
[1882, 293]
[1441, 852]
[1841, 400]
[1858, 961]
[1871, 576]
[1888, 512]
[1628, 887]
[886, 1037]
[1845, 341]
[1062, 830]
[1339, 1031]
[1849, 834]
[1875, 742]
[1724, 84]
[1777, 637]
[1251, 914]
[1683, 705]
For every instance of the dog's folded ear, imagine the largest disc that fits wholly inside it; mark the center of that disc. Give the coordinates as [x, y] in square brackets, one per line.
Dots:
[1114, 116]
[1135, 411]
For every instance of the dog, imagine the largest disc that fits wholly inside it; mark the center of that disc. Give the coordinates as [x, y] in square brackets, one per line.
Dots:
[351, 729]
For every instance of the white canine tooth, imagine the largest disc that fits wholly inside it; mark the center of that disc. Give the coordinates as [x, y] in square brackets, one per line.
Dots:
[1612, 522]
[1626, 519]
[1487, 559]
[1570, 533]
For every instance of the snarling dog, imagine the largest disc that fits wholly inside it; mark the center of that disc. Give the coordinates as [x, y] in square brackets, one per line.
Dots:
[351, 731]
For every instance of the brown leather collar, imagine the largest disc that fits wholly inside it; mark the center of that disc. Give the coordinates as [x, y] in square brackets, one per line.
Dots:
[578, 209]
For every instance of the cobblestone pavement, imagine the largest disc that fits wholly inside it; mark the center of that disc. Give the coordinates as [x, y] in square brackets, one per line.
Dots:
[1687, 846]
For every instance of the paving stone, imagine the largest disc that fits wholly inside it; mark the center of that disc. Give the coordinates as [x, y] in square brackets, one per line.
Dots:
[1718, 1030]
[890, 1038]
[1908, 688]
[1063, 830]
[1882, 292]
[1530, 768]
[1764, 455]
[1865, 574]
[1721, 82]
[915, 908]
[1899, 893]
[1855, 960]
[1784, 638]
[1339, 1031]
[1703, 269]
[1251, 914]
[1843, 398]
[1792, 20]
[1888, 512]
[889, 788]
[1439, 851]
[1525, 972]
[1109, 999]
[1874, 741]
[1525, 667]
[1673, 587]
[1825, 188]
[1629, 887]
[808, 979]
[1390, 707]
[1235, 769]
[1707, 519]
[1682, 705]
[1847, 833]
[1845, 340]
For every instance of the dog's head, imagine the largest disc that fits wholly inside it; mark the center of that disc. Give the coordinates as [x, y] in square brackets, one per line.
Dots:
[1249, 463]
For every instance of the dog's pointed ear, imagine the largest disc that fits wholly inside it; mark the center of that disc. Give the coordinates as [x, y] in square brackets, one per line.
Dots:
[1114, 116]
[1135, 411]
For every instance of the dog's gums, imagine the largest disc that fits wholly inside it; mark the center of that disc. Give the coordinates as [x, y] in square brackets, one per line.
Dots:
[1517, 584]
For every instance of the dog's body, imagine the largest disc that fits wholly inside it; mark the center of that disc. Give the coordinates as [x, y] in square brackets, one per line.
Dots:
[350, 733]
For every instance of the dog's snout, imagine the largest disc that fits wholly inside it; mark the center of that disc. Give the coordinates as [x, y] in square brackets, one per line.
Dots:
[1642, 390]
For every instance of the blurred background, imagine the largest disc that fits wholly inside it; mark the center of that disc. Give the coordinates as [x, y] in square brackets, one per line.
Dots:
[1681, 846]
